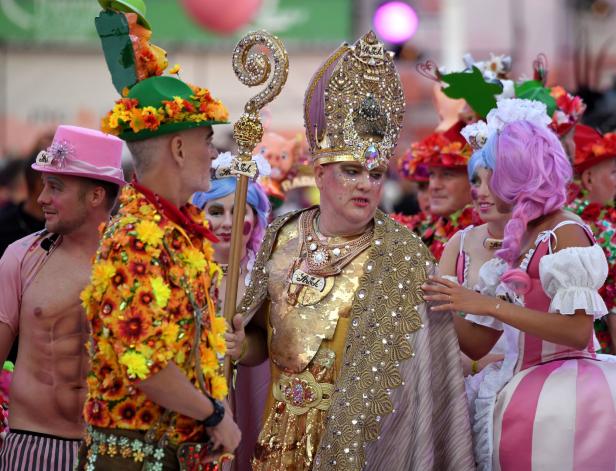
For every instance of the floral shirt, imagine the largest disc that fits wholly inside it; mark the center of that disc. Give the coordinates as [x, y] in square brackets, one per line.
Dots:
[141, 314]
[602, 221]
[436, 231]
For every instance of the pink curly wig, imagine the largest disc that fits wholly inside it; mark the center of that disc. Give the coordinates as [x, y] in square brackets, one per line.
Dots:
[532, 173]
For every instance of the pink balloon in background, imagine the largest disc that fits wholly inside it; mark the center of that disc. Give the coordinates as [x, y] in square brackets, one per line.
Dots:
[221, 16]
[395, 21]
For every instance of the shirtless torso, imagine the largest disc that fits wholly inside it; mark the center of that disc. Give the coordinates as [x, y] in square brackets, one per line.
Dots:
[48, 389]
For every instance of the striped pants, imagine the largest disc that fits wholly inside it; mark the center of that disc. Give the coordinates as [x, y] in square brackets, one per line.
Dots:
[32, 451]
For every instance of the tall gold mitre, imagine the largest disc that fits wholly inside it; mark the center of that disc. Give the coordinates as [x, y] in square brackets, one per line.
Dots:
[354, 105]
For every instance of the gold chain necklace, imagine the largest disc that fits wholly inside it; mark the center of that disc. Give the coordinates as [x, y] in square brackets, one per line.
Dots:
[324, 258]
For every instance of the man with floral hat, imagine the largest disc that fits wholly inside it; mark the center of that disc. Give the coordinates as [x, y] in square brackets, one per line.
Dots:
[156, 387]
[41, 277]
[363, 377]
[444, 155]
[595, 166]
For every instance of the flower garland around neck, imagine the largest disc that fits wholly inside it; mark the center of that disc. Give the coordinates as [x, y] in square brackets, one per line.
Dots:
[142, 234]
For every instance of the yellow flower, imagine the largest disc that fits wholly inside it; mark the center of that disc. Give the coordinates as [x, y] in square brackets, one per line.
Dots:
[136, 365]
[106, 350]
[219, 387]
[102, 272]
[161, 291]
[219, 325]
[106, 128]
[170, 333]
[207, 249]
[175, 69]
[195, 259]
[209, 362]
[180, 358]
[137, 122]
[113, 121]
[148, 232]
[145, 350]
[86, 295]
[218, 112]
[217, 341]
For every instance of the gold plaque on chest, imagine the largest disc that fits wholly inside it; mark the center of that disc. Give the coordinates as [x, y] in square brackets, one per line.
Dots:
[309, 293]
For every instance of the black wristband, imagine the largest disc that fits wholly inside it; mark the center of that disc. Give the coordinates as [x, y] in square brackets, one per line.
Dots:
[216, 417]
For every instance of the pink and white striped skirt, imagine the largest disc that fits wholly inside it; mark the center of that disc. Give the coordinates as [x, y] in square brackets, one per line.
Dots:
[559, 415]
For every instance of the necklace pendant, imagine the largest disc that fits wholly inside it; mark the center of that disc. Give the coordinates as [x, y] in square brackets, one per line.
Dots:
[320, 257]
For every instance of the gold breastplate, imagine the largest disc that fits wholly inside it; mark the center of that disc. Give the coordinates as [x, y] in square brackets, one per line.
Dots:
[298, 330]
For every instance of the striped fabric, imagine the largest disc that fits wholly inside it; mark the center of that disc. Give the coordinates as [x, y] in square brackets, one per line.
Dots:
[31, 451]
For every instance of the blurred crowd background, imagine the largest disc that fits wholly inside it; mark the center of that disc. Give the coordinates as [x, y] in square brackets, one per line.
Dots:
[52, 70]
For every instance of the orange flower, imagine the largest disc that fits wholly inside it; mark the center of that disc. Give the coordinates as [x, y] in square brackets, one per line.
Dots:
[145, 417]
[134, 327]
[96, 413]
[150, 118]
[114, 391]
[124, 413]
[137, 121]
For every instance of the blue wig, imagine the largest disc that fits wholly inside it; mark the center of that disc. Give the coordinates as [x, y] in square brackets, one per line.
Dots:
[484, 157]
[256, 198]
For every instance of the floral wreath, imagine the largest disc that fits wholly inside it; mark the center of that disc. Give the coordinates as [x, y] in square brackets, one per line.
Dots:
[596, 151]
[127, 116]
[506, 111]
[436, 150]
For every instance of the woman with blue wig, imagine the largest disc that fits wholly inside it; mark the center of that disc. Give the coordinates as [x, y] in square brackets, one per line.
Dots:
[252, 383]
[473, 246]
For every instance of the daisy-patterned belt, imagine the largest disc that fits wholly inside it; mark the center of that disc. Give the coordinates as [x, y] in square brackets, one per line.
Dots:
[106, 442]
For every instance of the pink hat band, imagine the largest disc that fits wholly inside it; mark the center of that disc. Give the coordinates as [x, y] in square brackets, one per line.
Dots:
[83, 152]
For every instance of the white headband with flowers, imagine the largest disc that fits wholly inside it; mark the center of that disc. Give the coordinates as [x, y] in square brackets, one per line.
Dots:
[506, 111]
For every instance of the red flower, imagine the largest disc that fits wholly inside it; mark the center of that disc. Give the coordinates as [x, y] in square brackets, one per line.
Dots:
[137, 267]
[144, 416]
[591, 212]
[125, 412]
[188, 106]
[134, 327]
[115, 391]
[145, 297]
[137, 245]
[96, 413]
[120, 277]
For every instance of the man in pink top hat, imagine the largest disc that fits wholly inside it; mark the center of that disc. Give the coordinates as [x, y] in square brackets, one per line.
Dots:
[41, 277]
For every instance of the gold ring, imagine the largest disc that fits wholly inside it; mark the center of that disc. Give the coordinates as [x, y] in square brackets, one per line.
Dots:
[226, 457]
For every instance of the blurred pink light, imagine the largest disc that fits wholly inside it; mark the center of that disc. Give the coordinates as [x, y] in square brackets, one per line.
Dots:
[395, 22]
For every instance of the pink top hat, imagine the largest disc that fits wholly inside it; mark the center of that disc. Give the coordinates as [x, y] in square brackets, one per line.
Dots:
[83, 152]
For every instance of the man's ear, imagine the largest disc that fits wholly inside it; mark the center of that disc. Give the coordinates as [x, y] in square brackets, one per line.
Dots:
[587, 179]
[318, 176]
[98, 196]
[177, 149]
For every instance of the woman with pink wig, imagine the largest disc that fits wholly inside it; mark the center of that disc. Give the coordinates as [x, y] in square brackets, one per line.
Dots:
[550, 404]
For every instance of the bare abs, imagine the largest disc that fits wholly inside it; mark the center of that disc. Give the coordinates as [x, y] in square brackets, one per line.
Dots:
[49, 387]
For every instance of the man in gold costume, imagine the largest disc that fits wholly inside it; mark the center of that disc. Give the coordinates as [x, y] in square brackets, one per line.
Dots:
[363, 377]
